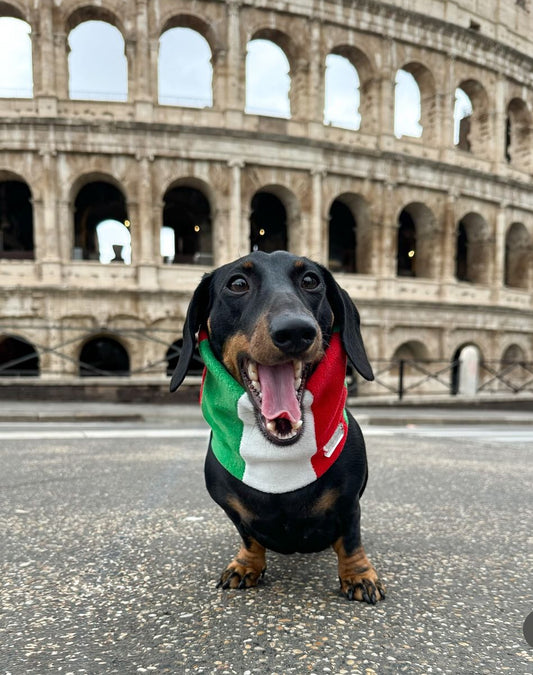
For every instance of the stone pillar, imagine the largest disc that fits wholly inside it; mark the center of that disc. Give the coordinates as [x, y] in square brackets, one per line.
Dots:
[449, 239]
[498, 122]
[386, 108]
[142, 82]
[237, 240]
[316, 78]
[299, 93]
[145, 231]
[497, 278]
[61, 52]
[389, 232]
[235, 61]
[317, 235]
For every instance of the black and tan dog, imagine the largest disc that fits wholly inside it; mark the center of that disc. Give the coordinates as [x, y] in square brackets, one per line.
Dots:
[286, 461]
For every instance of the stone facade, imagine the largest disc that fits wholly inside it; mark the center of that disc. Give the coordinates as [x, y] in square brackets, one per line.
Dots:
[468, 207]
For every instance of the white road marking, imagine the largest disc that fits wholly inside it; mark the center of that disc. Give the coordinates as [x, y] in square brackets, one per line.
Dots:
[69, 434]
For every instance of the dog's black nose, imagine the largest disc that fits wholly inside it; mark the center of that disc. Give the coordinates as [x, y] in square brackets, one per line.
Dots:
[292, 334]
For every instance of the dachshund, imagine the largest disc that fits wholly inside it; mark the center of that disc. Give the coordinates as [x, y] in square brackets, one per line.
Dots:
[286, 460]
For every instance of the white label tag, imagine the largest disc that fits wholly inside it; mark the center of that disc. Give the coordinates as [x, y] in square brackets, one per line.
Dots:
[330, 446]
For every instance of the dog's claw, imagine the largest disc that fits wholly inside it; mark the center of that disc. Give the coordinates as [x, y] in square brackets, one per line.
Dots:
[364, 590]
[239, 577]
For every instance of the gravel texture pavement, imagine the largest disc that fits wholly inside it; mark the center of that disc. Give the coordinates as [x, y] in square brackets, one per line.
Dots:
[112, 548]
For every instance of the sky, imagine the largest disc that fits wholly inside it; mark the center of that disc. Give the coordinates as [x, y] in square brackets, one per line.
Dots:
[185, 78]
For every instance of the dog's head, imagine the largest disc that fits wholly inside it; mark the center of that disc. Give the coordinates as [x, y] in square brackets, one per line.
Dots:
[269, 318]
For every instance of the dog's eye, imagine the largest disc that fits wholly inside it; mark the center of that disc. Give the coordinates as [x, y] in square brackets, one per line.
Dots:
[310, 281]
[238, 285]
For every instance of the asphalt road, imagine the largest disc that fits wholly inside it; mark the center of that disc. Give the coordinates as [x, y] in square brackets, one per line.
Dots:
[111, 549]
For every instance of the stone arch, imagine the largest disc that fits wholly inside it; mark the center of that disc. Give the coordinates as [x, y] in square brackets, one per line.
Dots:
[518, 256]
[260, 77]
[103, 356]
[96, 39]
[410, 352]
[188, 42]
[188, 214]
[16, 62]
[368, 93]
[16, 218]
[513, 354]
[472, 251]
[274, 214]
[465, 370]
[416, 242]
[341, 77]
[96, 198]
[18, 357]
[349, 232]
[474, 128]
[518, 145]
[427, 99]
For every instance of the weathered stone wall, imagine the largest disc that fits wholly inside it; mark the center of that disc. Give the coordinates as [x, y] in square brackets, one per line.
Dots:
[57, 145]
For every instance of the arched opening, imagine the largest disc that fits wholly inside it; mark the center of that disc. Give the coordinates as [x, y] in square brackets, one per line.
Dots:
[461, 120]
[268, 80]
[268, 223]
[406, 245]
[471, 118]
[187, 229]
[341, 100]
[101, 224]
[16, 220]
[185, 72]
[16, 71]
[518, 255]
[518, 147]
[407, 105]
[196, 366]
[95, 48]
[472, 253]
[465, 370]
[103, 356]
[18, 357]
[342, 238]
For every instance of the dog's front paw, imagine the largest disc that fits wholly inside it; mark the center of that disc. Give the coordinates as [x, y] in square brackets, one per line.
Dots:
[365, 588]
[240, 574]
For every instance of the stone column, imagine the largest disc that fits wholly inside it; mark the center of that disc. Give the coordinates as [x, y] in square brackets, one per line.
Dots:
[498, 122]
[234, 74]
[140, 82]
[144, 229]
[316, 78]
[388, 233]
[317, 235]
[449, 239]
[237, 242]
[45, 231]
[497, 278]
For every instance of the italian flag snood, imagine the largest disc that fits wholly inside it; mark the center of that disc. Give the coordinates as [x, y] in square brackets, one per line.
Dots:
[241, 447]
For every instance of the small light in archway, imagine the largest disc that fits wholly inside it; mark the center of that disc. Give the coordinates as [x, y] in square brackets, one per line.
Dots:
[261, 232]
[411, 253]
[197, 228]
[127, 223]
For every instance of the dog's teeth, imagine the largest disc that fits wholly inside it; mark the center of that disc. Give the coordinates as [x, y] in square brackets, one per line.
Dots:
[297, 383]
[252, 372]
[297, 425]
[298, 368]
[271, 426]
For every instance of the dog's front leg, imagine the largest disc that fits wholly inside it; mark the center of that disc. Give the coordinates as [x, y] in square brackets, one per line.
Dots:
[248, 566]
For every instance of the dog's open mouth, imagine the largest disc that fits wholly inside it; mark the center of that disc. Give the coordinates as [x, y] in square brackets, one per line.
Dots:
[276, 392]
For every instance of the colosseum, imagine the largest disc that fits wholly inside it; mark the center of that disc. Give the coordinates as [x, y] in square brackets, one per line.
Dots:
[430, 231]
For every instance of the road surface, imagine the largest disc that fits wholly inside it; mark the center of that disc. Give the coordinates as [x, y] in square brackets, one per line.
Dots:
[112, 548]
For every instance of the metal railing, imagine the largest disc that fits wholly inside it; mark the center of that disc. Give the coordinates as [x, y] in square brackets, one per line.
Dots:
[155, 351]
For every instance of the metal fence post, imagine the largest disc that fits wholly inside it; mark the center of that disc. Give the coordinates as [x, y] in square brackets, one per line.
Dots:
[400, 380]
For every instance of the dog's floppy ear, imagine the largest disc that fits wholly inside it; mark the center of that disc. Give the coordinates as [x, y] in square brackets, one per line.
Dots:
[347, 318]
[197, 314]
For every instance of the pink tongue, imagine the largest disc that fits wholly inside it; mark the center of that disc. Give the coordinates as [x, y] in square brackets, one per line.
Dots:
[278, 393]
